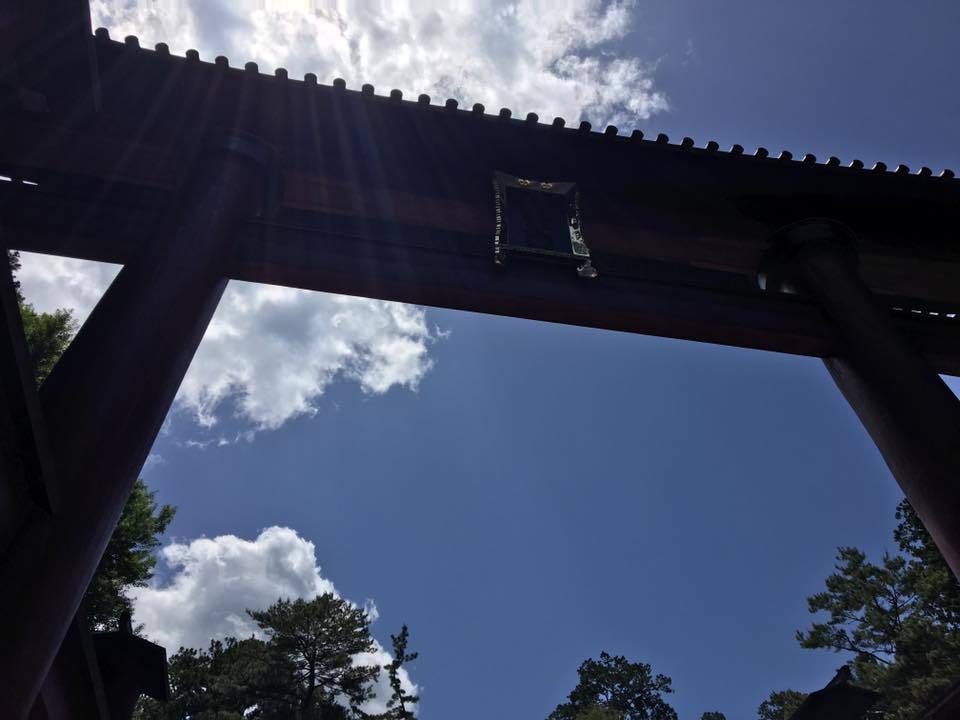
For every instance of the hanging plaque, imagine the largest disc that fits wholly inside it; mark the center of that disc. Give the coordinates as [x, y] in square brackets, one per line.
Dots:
[540, 218]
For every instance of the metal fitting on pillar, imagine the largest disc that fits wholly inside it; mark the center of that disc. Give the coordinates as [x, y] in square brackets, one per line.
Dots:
[262, 156]
[780, 271]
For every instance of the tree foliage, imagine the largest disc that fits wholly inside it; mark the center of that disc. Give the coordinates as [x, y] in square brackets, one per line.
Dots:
[713, 715]
[305, 668]
[129, 558]
[220, 683]
[900, 619]
[47, 335]
[401, 703]
[317, 639]
[598, 712]
[630, 691]
[781, 705]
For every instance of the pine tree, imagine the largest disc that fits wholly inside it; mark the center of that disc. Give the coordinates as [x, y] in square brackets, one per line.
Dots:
[899, 619]
[401, 703]
[781, 705]
[318, 640]
[624, 690]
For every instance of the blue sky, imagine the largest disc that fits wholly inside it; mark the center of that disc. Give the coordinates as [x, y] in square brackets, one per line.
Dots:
[526, 495]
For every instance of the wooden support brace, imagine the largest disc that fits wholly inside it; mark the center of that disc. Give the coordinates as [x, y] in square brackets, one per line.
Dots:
[106, 399]
[25, 463]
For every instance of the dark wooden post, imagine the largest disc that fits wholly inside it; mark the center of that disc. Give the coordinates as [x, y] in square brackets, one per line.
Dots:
[909, 411]
[106, 399]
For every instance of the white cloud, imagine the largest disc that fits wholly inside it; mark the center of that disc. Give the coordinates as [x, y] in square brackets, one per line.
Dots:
[272, 350]
[275, 350]
[215, 580]
[553, 57]
[153, 459]
[50, 282]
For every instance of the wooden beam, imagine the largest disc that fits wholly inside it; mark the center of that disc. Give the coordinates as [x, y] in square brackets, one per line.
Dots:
[357, 255]
[393, 199]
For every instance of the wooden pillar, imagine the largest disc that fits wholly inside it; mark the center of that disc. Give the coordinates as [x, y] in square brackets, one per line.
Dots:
[106, 399]
[909, 411]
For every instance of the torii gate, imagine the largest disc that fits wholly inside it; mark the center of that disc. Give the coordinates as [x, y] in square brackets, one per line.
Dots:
[190, 173]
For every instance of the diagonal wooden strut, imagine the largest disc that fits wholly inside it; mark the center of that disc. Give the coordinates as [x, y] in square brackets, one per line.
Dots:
[105, 401]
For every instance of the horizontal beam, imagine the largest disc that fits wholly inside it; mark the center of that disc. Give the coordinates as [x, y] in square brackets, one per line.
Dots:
[393, 199]
[357, 153]
[450, 269]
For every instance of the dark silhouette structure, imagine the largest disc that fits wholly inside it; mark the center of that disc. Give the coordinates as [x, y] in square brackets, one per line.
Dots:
[190, 173]
[101, 675]
[840, 699]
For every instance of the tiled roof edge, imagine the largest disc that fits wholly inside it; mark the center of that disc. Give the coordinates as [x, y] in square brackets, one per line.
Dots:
[611, 133]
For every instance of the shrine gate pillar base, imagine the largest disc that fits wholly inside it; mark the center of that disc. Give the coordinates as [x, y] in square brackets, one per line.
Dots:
[106, 399]
[911, 414]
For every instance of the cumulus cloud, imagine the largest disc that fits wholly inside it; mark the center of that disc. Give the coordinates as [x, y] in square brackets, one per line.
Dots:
[554, 57]
[49, 282]
[212, 581]
[269, 352]
[153, 459]
[275, 350]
